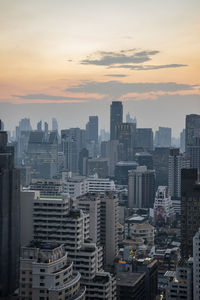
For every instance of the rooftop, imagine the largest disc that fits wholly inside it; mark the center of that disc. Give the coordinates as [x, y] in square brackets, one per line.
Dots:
[129, 279]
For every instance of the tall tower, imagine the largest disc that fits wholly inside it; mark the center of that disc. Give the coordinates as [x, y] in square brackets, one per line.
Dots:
[92, 129]
[190, 209]
[116, 117]
[192, 140]
[9, 219]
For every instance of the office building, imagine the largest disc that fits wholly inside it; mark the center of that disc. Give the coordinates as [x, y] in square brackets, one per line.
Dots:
[144, 139]
[144, 159]
[126, 135]
[130, 120]
[42, 154]
[54, 124]
[182, 141]
[145, 232]
[39, 126]
[100, 185]
[47, 187]
[163, 137]
[46, 273]
[141, 187]
[116, 117]
[92, 129]
[98, 166]
[25, 125]
[9, 219]
[113, 151]
[121, 171]
[73, 141]
[74, 185]
[160, 164]
[190, 209]
[192, 140]
[177, 162]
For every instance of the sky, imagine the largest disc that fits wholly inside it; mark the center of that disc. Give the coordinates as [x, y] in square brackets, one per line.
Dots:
[71, 59]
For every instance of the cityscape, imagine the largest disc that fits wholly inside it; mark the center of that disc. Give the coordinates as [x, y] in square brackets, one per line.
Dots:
[99, 150]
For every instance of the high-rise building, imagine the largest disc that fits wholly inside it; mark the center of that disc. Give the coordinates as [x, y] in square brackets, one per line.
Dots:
[141, 187]
[46, 273]
[92, 129]
[39, 126]
[192, 139]
[177, 161]
[196, 266]
[163, 209]
[190, 209]
[42, 154]
[54, 124]
[125, 133]
[25, 125]
[9, 219]
[116, 117]
[113, 151]
[55, 221]
[182, 140]
[73, 141]
[144, 139]
[144, 159]
[130, 120]
[160, 163]
[163, 137]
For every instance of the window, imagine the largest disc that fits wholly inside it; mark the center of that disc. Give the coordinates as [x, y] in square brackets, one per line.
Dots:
[41, 283]
[42, 270]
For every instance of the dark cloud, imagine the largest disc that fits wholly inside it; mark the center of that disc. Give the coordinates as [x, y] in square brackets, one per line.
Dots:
[147, 67]
[46, 97]
[105, 58]
[118, 88]
[116, 75]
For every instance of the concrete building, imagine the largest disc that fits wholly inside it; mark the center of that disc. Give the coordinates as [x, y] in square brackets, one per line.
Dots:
[163, 208]
[144, 139]
[145, 232]
[113, 151]
[109, 231]
[141, 187]
[101, 185]
[192, 140]
[116, 117]
[74, 186]
[126, 135]
[182, 141]
[179, 283]
[160, 164]
[190, 210]
[47, 187]
[9, 218]
[144, 159]
[121, 171]
[46, 273]
[91, 204]
[177, 162]
[55, 221]
[92, 129]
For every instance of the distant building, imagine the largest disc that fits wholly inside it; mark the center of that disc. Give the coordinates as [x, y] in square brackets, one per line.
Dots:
[144, 139]
[177, 162]
[116, 117]
[101, 185]
[92, 129]
[39, 126]
[144, 232]
[192, 139]
[74, 186]
[125, 133]
[54, 124]
[196, 266]
[129, 119]
[121, 171]
[144, 159]
[163, 208]
[160, 163]
[163, 137]
[182, 141]
[98, 166]
[190, 209]
[141, 187]
[47, 187]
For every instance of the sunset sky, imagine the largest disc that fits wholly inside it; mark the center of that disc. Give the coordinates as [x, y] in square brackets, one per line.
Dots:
[70, 59]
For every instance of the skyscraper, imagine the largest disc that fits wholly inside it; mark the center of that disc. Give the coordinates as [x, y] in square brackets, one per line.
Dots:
[182, 140]
[144, 139]
[39, 126]
[192, 139]
[54, 124]
[116, 117]
[125, 133]
[9, 219]
[92, 129]
[163, 137]
[141, 187]
[190, 209]
[176, 162]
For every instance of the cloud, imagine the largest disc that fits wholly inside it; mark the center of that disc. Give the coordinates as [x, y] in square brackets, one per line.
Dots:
[148, 67]
[104, 58]
[46, 97]
[118, 88]
[116, 75]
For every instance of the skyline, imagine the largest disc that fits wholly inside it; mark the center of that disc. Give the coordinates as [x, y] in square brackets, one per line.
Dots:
[69, 61]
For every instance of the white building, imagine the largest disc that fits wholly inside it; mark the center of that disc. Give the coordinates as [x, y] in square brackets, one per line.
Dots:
[144, 232]
[54, 221]
[96, 184]
[46, 273]
[74, 186]
[163, 208]
[196, 265]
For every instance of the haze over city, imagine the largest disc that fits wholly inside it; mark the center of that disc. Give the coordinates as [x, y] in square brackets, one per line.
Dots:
[69, 60]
